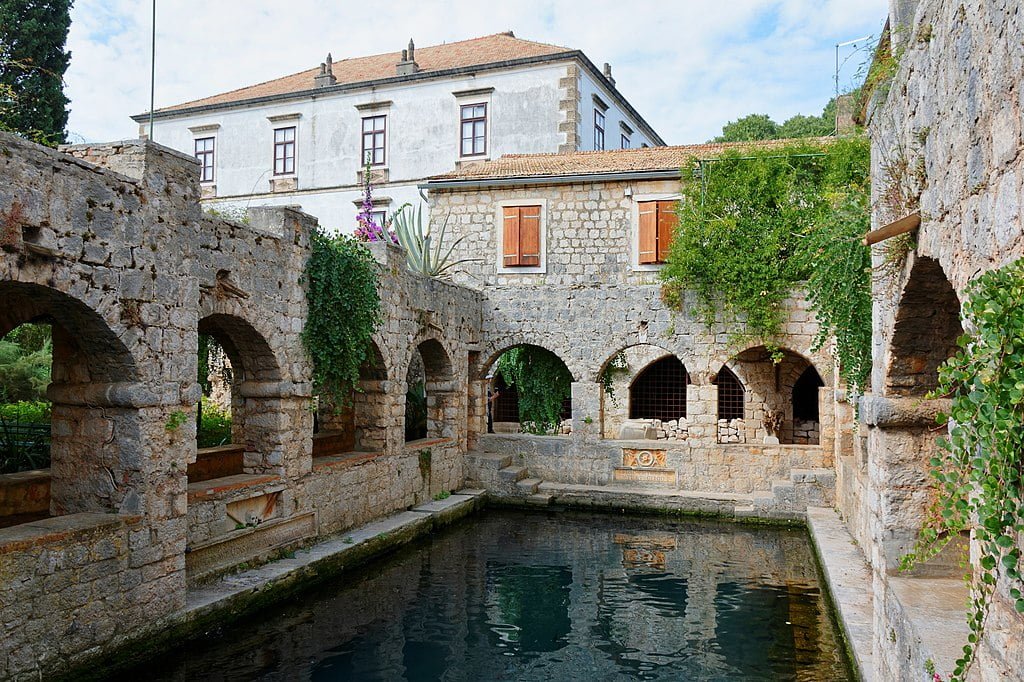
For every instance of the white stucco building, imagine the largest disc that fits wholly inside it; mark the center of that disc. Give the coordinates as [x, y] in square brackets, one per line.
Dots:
[300, 140]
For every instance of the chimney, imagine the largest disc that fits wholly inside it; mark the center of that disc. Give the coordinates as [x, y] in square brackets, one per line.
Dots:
[408, 64]
[326, 76]
[608, 73]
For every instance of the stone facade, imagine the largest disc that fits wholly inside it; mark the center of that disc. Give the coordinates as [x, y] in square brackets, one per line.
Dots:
[108, 242]
[590, 302]
[949, 130]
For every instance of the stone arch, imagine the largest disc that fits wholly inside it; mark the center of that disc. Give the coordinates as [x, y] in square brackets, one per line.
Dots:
[361, 425]
[617, 404]
[97, 441]
[658, 391]
[257, 389]
[768, 391]
[925, 332]
[496, 350]
[731, 395]
[431, 365]
[504, 411]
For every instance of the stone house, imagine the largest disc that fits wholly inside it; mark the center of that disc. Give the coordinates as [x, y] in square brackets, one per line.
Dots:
[566, 250]
[302, 140]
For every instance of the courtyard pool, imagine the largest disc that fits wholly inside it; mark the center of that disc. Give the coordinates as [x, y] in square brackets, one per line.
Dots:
[547, 596]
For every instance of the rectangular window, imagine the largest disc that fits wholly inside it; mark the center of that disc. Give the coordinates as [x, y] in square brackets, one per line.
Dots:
[284, 151]
[204, 154]
[598, 129]
[473, 129]
[625, 141]
[658, 222]
[374, 138]
[521, 236]
[379, 217]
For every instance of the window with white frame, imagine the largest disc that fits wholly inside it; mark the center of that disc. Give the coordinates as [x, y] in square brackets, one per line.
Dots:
[625, 141]
[284, 151]
[473, 127]
[374, 140]
[204, 150]
[598, 129]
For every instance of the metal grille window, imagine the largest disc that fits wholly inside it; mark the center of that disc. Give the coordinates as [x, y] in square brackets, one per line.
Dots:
[598, 129]
[204, 154]
[659, 392]
[284, 151]
[474, 129]
[730, 395]
[374, 137]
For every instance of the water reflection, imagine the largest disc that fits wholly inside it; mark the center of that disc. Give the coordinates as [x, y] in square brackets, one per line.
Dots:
[517, 596]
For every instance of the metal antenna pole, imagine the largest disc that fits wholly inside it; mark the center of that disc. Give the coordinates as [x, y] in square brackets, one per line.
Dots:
[153, 67]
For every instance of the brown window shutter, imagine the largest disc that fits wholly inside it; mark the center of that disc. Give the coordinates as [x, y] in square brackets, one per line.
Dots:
[529, 235]
[668, 220]
[510, 240]
[648, 232]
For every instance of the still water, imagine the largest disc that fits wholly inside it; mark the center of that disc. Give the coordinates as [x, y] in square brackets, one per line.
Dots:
[547, 596]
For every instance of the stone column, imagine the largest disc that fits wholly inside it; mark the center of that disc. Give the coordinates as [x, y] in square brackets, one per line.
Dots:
[702, 412]
[826, 423]
[586, 405]
[901, 441]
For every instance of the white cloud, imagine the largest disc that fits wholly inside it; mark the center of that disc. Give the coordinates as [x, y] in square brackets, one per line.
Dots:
[687, 66]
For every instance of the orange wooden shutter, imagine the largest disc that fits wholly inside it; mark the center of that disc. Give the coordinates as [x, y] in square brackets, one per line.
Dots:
[668, 220]
[529, 235]
[648, 232]
[510, 250]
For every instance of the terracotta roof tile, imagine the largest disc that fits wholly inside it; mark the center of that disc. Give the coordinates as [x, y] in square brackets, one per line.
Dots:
[610, 161]
[474, 52]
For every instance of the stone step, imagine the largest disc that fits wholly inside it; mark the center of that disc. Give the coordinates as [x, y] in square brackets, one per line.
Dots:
[540, 499]
[488, 461]
[528, 485]
[746, 511]
[512, 474]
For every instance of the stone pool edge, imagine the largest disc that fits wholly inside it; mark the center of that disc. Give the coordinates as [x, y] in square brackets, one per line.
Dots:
[846, 577]
[234, 596]
[848, 583]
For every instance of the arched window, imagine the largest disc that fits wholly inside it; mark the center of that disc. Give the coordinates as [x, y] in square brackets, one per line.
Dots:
[659, 391]
[805, 396]
[730, 395]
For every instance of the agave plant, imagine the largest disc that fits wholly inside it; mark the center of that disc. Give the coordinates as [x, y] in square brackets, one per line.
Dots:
[424, 253]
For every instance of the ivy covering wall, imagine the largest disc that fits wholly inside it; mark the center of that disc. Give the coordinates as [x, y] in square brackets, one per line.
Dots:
[542, 382]
[344, 312]
[757, 223]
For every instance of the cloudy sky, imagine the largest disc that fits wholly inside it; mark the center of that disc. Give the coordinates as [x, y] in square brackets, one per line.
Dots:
[688, 66]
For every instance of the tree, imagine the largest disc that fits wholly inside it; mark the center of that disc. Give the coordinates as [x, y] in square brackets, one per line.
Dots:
[762, 127]
[751, 127]
[32, 65]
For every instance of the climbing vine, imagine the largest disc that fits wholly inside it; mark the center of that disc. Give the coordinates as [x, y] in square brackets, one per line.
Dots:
[756, 223]
[980, 481]
[344, 311]
[542, 382]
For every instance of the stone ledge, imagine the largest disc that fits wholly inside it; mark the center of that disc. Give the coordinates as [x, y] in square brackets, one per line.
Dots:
[77, 527]
[231, 486]
[848, 582]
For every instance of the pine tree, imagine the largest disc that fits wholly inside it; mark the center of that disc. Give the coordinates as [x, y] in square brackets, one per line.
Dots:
[32, 65]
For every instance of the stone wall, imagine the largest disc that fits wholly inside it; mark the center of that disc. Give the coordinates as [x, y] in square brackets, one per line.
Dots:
[109, 242]
[949, 130]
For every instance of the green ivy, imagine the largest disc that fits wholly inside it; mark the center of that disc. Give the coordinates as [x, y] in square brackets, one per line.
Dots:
[542, 382]
[979, 481]
[344, 312]
[756, 223]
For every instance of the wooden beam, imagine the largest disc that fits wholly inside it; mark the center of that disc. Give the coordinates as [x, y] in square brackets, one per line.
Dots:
[902, 226]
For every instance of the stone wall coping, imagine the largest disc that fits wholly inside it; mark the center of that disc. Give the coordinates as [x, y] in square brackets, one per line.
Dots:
[425, 443]
[219, 449]
[238, 485]
[880, 410]
[345, 460]
[23, 477]
[79, 528]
